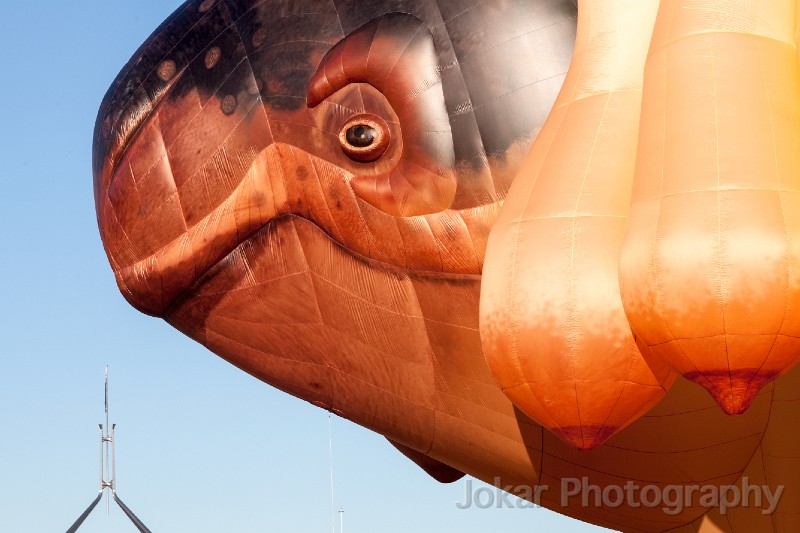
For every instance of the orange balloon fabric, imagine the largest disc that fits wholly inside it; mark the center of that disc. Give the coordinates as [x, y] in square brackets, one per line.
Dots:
[273, 220]
[552, 323]
[710, 262]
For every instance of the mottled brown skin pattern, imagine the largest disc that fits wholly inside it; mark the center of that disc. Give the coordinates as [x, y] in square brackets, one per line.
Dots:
[228, 207]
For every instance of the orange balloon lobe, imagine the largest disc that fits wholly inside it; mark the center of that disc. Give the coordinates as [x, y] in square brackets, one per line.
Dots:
[554, 330]
[711, 257]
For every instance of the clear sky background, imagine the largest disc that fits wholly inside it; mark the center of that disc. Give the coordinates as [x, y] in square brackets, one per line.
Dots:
[201, 446]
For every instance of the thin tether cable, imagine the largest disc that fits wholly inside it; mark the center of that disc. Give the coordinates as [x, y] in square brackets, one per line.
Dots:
[330, 457]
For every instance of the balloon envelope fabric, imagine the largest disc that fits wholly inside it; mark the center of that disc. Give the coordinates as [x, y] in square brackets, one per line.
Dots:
[553, 328]
[307, 188]
[710, 263]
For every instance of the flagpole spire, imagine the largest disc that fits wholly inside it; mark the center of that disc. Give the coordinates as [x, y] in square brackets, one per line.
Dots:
[108, 474]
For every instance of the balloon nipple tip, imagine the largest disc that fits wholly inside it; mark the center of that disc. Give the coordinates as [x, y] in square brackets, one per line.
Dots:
[733, 390]
[584, 438]
[733, 404]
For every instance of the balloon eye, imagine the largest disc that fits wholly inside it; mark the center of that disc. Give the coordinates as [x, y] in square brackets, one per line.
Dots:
[364, 137]
[361, 135]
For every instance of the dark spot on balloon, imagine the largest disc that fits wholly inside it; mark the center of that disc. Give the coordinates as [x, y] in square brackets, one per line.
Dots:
[302, 173]
[259, 198]
[275, 87]
[228, 104]
[166, 70]
[212, 57]
[254, 87]
[285, 72]
[338, 204]
[107, 126]
[259, 37]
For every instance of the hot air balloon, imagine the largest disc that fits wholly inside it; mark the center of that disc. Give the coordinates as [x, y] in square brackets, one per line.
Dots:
[307, 188]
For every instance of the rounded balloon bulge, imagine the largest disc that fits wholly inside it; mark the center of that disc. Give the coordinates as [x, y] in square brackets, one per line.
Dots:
[364, 137]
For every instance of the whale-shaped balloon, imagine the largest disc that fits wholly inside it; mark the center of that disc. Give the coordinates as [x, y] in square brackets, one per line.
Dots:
[307, 188]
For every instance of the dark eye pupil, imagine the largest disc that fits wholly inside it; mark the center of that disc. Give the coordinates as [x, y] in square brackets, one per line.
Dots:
[361, 135]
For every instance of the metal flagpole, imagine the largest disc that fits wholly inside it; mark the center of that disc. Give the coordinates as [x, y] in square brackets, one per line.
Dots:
[74, 527]
[108, 474]
[105, 445]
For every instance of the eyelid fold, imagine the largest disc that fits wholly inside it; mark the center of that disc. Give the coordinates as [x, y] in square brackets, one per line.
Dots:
[395, 53]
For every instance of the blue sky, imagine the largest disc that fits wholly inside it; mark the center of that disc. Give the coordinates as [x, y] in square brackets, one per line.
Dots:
[201, 446]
